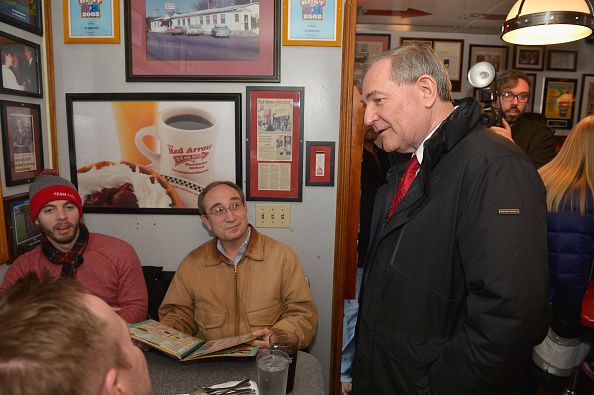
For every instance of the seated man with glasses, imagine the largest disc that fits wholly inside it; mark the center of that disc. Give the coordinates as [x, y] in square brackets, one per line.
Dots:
[239, 282]
[534, 138]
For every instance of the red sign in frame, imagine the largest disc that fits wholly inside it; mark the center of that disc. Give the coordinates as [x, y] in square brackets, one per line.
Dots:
[319, 163]
[274, 143]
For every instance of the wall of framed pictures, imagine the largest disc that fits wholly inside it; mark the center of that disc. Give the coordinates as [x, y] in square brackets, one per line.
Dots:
[107, 73]
[23, 108]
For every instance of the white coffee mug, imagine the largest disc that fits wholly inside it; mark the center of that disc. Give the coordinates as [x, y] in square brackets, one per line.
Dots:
[187, 137]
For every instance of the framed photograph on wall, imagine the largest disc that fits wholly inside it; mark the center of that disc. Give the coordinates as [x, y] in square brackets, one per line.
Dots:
[319, 163]
[25, 15]
[529, 57]
[317, 23]
[239, 43]
[494, 54]
[530, 104]
[96, 22]
[21, 66]
[22, 142]
[23, 234]
[449, 52]
[152, 152]
[274, 143]
[561, 60]
[558, 100]
[587, 98]
[366, 46]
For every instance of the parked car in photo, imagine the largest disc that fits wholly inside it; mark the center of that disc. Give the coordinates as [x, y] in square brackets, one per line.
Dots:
[220, 31]
[176, 30]
[194, 30]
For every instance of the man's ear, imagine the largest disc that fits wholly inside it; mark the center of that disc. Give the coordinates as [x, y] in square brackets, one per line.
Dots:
[206, 222]
[428, 90]
[110, 383]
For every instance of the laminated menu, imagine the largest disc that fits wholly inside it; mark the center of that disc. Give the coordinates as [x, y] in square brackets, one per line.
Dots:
[185, 347]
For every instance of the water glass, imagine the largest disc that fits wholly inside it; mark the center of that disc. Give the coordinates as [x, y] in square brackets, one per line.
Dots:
[273, 368]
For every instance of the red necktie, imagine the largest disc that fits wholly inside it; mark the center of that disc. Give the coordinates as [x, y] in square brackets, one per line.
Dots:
[404, 184]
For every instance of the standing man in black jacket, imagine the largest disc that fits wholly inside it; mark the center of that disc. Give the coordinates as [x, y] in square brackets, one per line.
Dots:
[454, 289]
[536, 139]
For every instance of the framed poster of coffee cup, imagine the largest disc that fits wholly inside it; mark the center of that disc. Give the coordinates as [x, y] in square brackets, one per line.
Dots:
[152, 152]
[558, 102]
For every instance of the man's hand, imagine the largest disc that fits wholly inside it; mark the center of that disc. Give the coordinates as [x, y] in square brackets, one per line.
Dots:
[262, 338]
[504, 131]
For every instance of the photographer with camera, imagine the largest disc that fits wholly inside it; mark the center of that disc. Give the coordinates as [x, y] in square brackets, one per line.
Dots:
[513, 93]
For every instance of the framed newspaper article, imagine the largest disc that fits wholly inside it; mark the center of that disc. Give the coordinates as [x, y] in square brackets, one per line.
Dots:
[274, 143]
[22, 144]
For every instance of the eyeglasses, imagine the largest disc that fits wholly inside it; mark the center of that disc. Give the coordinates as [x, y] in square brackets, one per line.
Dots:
[220, 211]
[509, 96]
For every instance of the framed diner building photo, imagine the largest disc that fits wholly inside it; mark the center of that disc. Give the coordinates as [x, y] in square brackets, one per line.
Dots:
[21, 66]
[26, 15]
[235, 43]
[319, 163]
[22, 233]
[274, 143]
[312, 23]
[558, 100]
[157, 151]
[22, 142]
[91, 22]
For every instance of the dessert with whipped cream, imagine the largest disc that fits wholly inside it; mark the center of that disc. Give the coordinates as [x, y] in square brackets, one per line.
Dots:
[125, 184]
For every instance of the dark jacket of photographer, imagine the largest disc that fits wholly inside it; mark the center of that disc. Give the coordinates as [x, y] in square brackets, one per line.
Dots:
[535, 139]
[454, 290]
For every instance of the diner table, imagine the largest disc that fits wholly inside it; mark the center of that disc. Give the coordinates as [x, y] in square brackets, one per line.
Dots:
[169, 376]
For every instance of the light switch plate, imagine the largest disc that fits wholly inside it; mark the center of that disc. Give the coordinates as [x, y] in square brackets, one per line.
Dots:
[273, 216]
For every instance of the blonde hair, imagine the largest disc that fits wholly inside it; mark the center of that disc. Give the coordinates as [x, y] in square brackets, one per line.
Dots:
[572, 170]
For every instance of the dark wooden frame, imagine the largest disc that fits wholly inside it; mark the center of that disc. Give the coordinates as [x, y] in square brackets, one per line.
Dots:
[311, 149]
[524, 66]
[32, 231]
[474, 52]
[253, 93]
[10, 145]
[530, 104]
[584, 101]
[456, 83]
[266, 68]
[551, 53]
[36, 26]
[21, 43]
[232, 134]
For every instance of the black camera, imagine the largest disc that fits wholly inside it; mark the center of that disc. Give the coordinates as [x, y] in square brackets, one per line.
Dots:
[481, 76]
[487, 96]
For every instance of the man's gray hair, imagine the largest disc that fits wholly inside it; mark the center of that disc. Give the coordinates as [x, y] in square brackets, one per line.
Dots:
[411, 61]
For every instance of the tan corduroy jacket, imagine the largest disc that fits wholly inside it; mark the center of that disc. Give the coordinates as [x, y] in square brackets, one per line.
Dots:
[210, 298]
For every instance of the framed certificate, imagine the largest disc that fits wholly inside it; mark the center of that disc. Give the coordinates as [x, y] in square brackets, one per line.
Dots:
[92, 21]
[312, 23]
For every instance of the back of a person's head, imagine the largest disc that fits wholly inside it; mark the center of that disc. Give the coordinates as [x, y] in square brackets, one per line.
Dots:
[572, 169]
[51, 343]
[411, 61]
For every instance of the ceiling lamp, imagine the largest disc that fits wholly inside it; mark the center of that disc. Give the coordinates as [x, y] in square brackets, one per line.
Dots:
[544, 22]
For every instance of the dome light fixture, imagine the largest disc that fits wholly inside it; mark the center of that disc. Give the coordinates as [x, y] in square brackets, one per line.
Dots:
[545, 22]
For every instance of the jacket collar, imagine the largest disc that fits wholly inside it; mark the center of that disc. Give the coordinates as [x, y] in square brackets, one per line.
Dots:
[254, 251]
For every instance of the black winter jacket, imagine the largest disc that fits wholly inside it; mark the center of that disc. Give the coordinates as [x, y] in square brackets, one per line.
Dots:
[454, 289]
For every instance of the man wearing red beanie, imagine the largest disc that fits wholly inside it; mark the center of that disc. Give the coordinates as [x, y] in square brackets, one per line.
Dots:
[108, 267]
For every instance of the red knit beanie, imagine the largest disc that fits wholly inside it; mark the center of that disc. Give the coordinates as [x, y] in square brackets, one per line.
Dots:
[47, 188]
